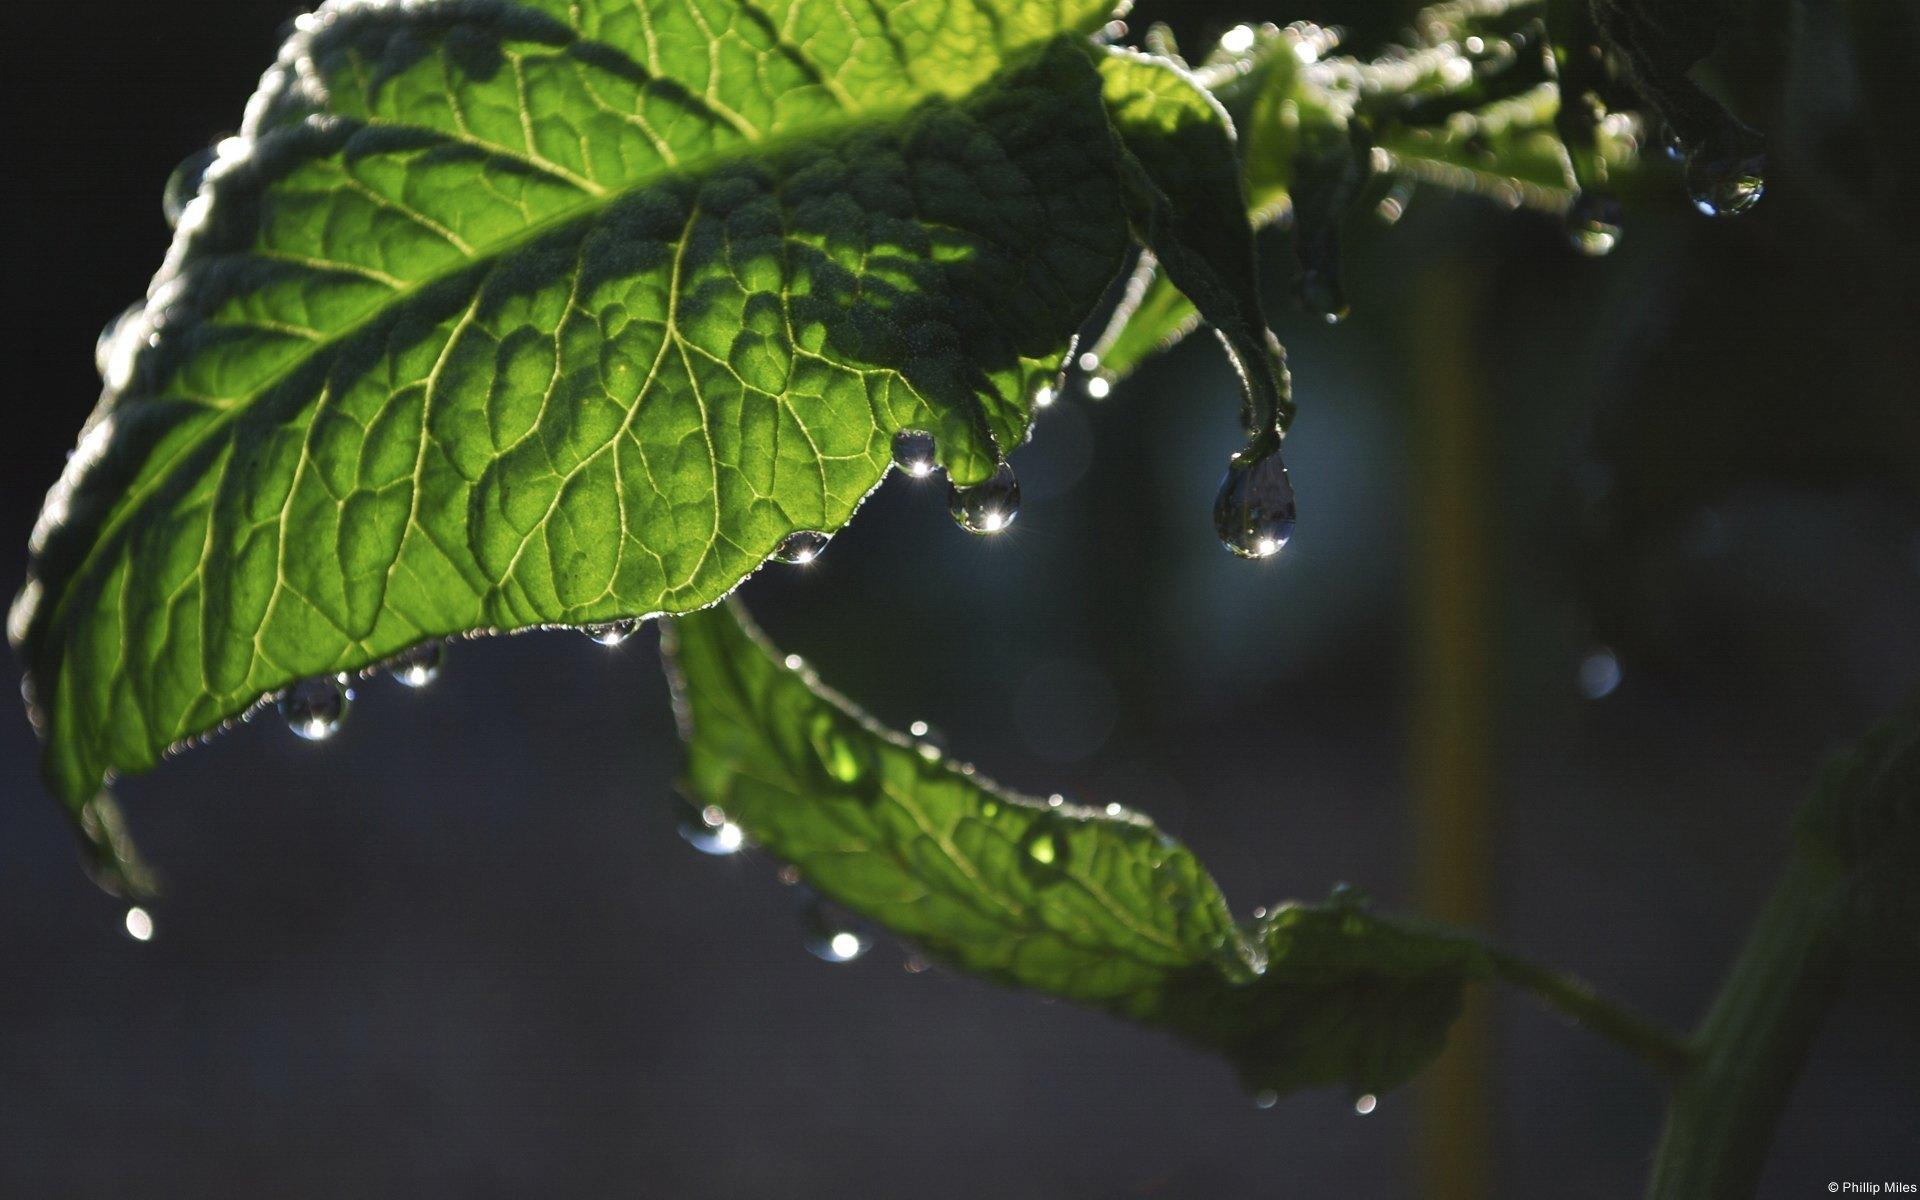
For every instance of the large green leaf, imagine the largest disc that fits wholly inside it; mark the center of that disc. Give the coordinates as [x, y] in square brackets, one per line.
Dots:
[505, 314]
[1094, 905]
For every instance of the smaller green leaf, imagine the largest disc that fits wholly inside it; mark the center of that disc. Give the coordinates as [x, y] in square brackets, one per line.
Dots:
[1092, 905]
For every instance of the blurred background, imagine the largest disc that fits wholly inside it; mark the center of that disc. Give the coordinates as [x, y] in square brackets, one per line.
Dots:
[1598, 559]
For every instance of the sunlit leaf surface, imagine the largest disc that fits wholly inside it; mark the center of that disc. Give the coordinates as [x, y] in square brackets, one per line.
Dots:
[506, 314]
[1093, 905]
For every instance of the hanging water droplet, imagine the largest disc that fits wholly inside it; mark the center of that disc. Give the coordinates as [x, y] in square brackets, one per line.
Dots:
[1254, 510]
[986, 507]
[1727, 176]
[1364, 1105]
[184, 184]
[708, 830]
[1321, 294]
[916, 965]
[829, 936]
[1599, 674]
[1043, 847]
[1099, 387]
[801, 547]
[1266, 1098]
[419, 666]
[107, 346]
[1593, 223]
[842, 754]
[314, 708]
[915, 452]
[139, 924]
[612, 633]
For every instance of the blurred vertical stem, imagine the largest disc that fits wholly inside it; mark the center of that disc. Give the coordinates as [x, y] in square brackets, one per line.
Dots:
[1750, 1048]
[1450, 770]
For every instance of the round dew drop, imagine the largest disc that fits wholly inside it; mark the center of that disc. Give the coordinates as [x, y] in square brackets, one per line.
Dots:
[914, 452]
[184, 184]
[1727, 176]
[612, 633]
[315, 708]
[419, 666]
[986, 507]
[829, 937]
[709, 831]
[139, 924]
[1593, 223]
[801, 547]
[1254, 510]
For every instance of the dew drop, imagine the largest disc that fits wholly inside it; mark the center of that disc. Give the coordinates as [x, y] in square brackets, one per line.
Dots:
[1266, 1098]
[314, 708]
[709, 831]
[1321, 294]
[801, 547]
[829, 936]
[915, 452]
[107, 346]
[916, 965]
[1254, 511]
[1099, 387]
[1593, 223]
[1599, 674]
[139, 924]
[184, 184]
[1364, 1105]
[986, 507]
[612, 633]
[1043, 848]
[840, 752]
[419, 666]
[1727, 175]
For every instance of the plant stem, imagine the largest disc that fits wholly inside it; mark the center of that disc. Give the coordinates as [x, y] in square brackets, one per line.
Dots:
[1652, 1043]
[1749, 1049]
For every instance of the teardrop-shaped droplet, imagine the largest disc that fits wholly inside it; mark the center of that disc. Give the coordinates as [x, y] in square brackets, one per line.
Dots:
[107, 345]
[709, 831]
[843, 756]
[829, 936]
[612, 633]
[801, 547]
[1266, 1098]
[1254, 511]
[1593, 223]
[184, 184]
[1726, 175]
[314, 708]
[420, 665]
[915, 451]
[1723, 189]
[1364, 1105]
[1322, 295]
[986, 507]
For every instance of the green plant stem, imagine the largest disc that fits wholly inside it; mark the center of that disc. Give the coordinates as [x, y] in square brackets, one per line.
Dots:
[1652, 1043]
[1749, 1049]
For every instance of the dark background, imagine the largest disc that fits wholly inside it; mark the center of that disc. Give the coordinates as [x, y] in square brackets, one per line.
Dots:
[459, 951]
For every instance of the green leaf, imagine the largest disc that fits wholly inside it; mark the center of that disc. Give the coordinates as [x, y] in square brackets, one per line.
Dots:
[502, 314]
[1095, 906]
[1429, 114]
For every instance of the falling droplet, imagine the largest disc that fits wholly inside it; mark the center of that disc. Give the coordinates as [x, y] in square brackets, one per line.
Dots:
[1254, 511]
[1266, 1098]
[184, 184]
[1599, 674]
[1364, 1105]
[709, 831]
[829, 936]
[1727, 175]
[139, 924]
[986, 507]
[314, 708]
[915, 452]
[419, 666]
[612, 633]
[1593, 223]
[801, 547]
